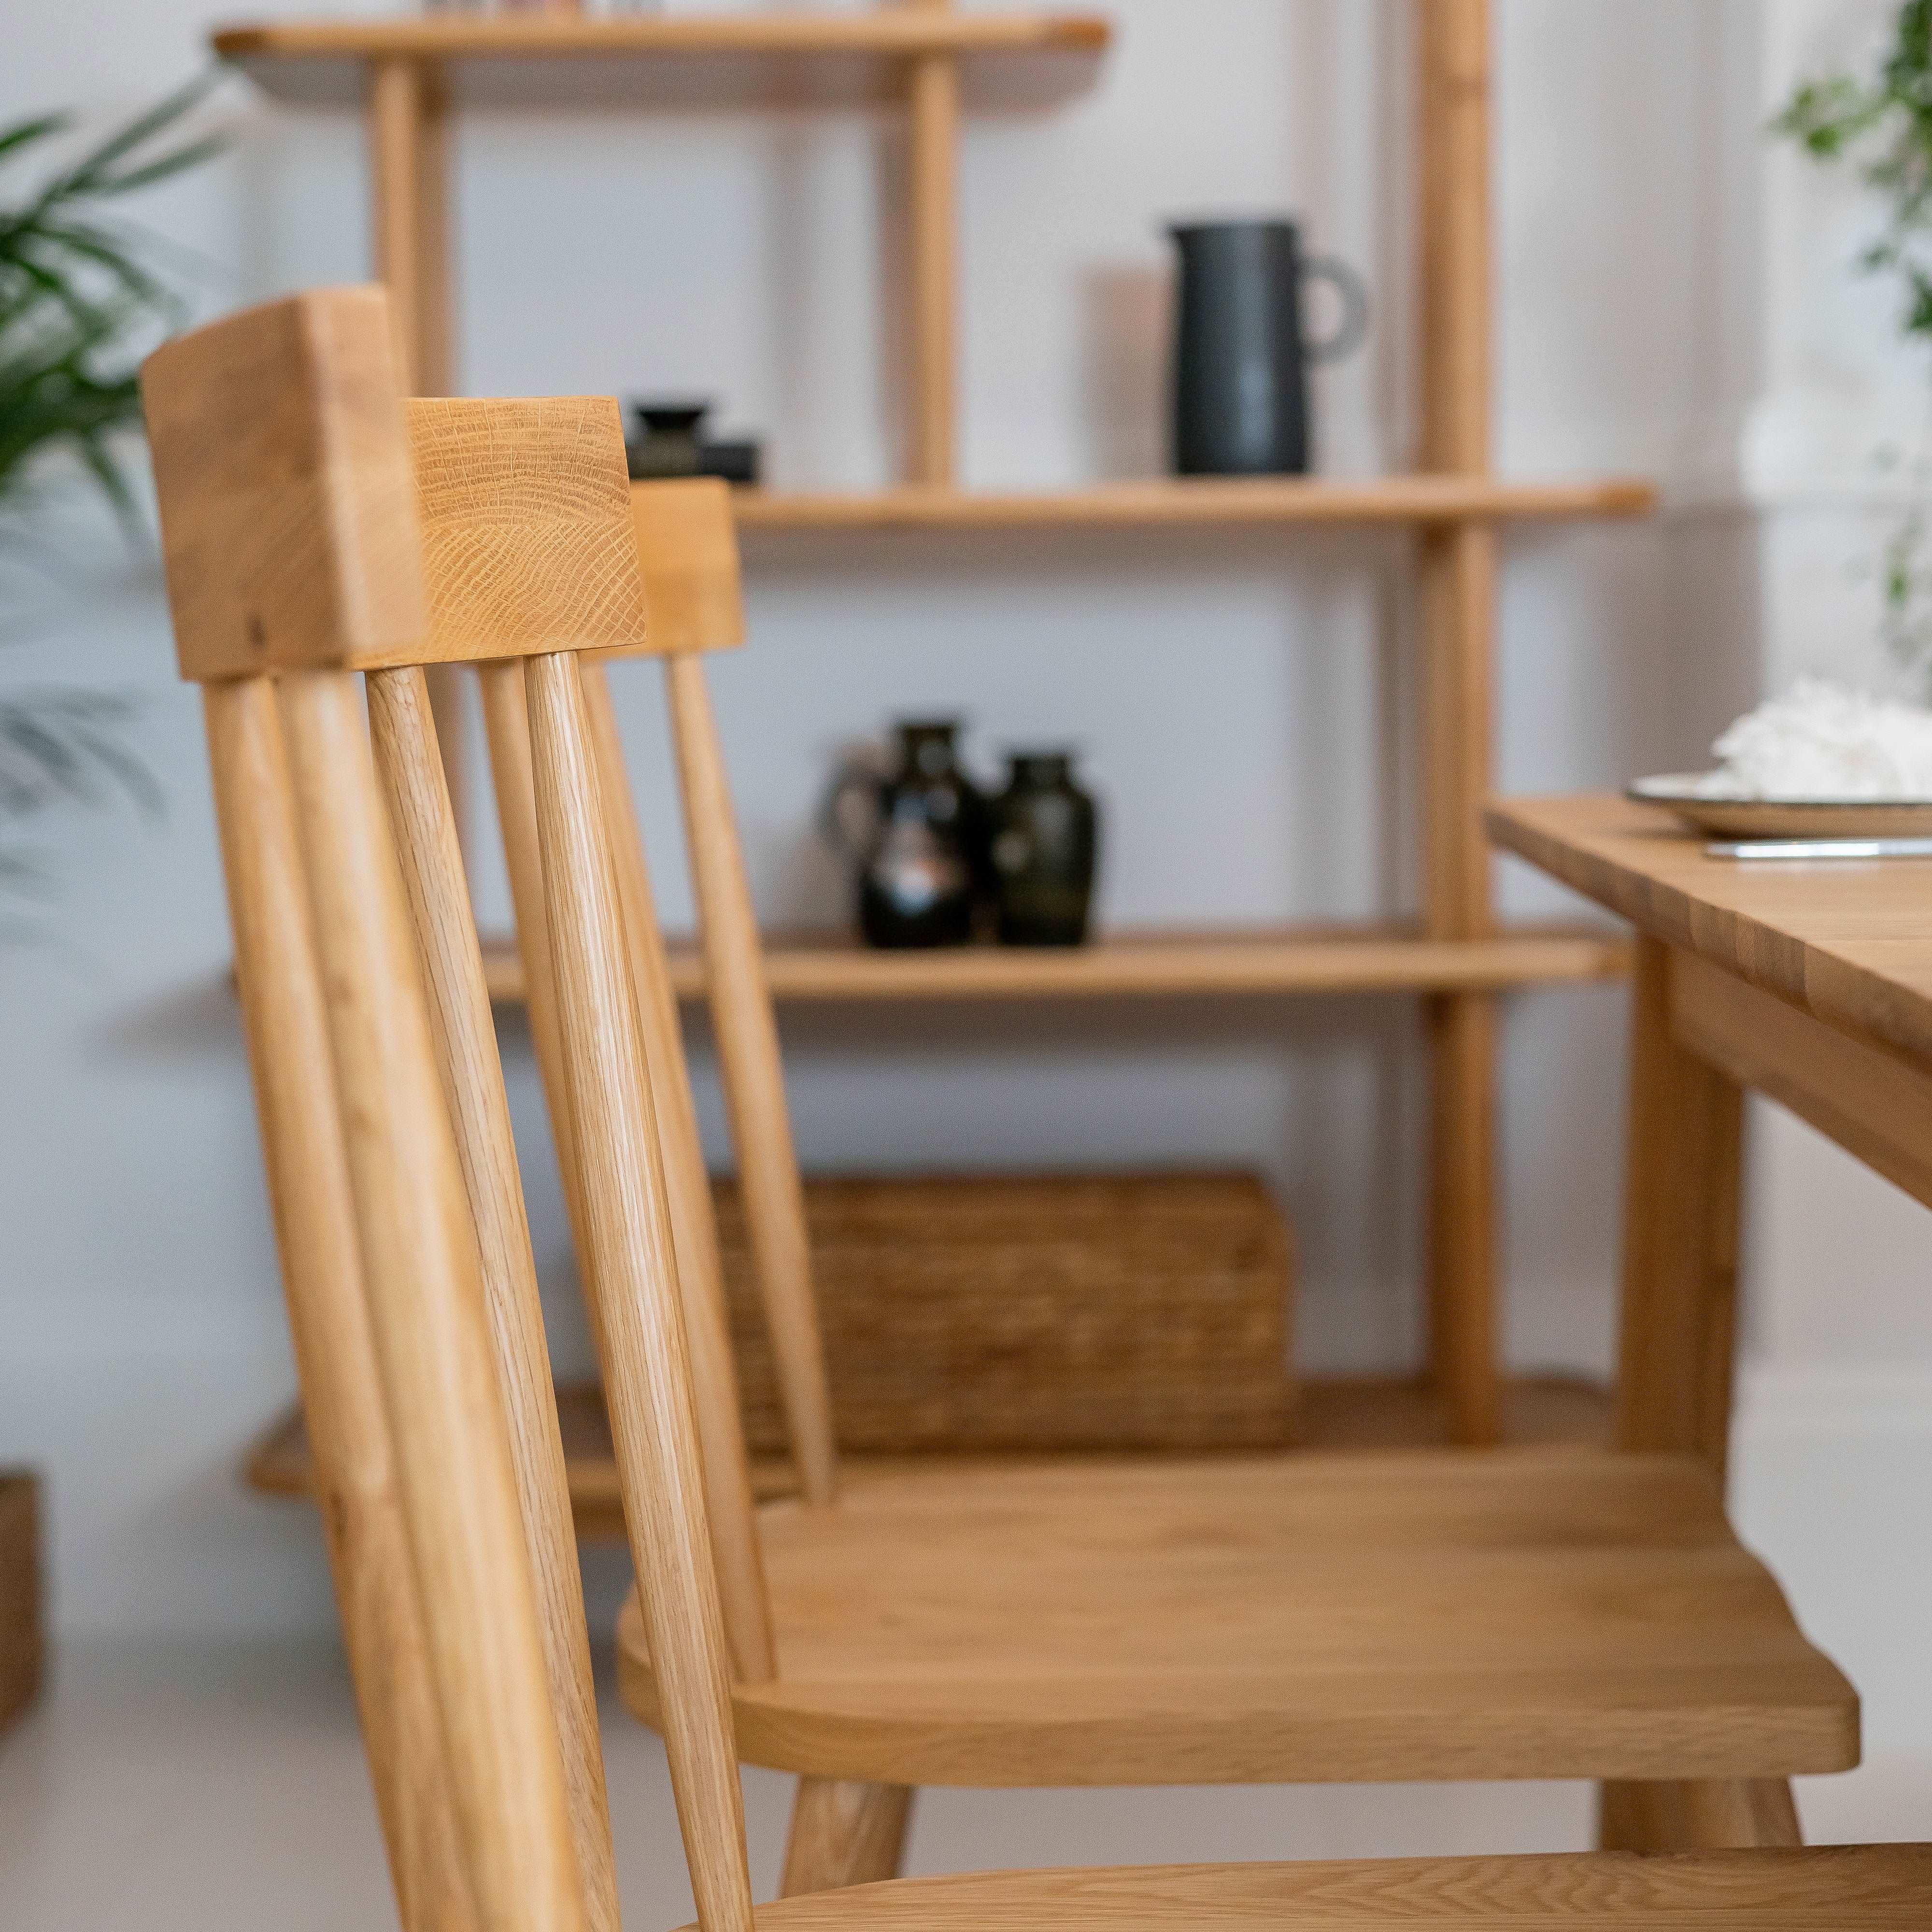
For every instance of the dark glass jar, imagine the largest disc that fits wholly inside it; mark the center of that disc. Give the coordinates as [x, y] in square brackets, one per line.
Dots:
[1046, 839]
[916, 839]
[669, 441]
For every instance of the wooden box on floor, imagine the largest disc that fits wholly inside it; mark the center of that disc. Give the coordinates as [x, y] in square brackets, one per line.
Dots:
[20, 1639]
[1034, 1313]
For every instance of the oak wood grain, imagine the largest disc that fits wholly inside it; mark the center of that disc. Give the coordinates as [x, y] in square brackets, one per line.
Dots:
[754, 1076]
[1455, 233]
[1678, 1307]
[1871, 1104]
[407, 762]
[844, 1833]
[409, 138]
[1385, 956]
[423, 1287]
[1458, 572]
[910, 32]
[1497, 1615]
[817, 59]
[1507, 1613]
[401, 197]
[1844, 941]
[507, 731]
[688, 547]
[1420, 498]
[1863, 1888]
[349, 1452]
[700, 1267]
[932, 244]
[630, 1258]
[287, 510]
[1710, 1814]
[525, 510]
[1346, 1412]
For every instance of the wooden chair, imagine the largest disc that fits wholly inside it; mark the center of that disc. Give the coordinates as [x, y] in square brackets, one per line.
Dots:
[1293, 1617]
[298, 544]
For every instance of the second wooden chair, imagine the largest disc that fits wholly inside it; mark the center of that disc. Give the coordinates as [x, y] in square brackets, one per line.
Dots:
[298, 542]
[1283, 1618]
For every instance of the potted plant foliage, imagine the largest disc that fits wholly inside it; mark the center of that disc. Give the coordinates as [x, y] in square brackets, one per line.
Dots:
[1882, 126]
[83, 299]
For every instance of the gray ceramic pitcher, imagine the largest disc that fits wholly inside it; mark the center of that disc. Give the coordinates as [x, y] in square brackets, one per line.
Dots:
[1240, 352]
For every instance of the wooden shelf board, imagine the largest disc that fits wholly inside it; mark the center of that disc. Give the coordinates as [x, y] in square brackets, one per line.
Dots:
[1286, 960]
[1342, 1412]
[1009, 60]
[1199, 501]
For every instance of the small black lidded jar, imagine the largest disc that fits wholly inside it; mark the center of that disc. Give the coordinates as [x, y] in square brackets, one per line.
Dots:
[1044, 842]
[670, 440]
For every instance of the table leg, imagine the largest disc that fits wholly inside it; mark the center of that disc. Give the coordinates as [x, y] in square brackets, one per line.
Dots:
[1680, 1235]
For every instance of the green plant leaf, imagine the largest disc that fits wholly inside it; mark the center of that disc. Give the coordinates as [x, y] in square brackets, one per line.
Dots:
[1882, 128]
[84, 294]
[24, 133]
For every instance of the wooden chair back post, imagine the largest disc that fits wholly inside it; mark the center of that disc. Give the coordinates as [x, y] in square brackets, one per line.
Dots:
[507, 732]
[529, 551]
[426, 1296]
[688, 543]
[510, 537]
[700, 1267]
[291, 545]
[402, 729]
[631, 1259]
[314, 1216]
[465, 499]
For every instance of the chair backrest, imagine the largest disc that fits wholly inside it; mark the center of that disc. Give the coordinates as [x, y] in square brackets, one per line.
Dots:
[688, 546]
[317, 530]
[688, 541]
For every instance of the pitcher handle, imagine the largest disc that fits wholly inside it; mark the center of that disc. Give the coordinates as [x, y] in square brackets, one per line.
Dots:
[854, 781]
[1355, 324]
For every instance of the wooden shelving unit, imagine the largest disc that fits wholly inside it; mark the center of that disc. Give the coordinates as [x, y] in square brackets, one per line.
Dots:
[1422, 501]
[1336, 1412]
[1285, 961]
[1006, 61]
[933, 64]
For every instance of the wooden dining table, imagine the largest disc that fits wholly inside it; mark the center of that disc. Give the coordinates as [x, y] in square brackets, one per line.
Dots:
[1807, 980]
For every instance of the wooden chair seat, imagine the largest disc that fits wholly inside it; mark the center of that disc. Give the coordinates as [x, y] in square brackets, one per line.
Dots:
[1851, 1889]
[1531, 1613]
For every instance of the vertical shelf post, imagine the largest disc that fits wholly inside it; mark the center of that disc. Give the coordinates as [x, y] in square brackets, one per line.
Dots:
[398, 118]
[1459, 579]
[932, 105]
[409, 179]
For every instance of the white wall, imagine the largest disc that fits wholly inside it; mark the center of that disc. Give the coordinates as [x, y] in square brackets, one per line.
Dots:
[1245, 701]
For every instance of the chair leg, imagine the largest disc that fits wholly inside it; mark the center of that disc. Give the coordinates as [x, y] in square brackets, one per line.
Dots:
[1711, 1814]
[844, 1833]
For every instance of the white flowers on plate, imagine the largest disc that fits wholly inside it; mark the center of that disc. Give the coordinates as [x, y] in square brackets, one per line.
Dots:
[1821, 742]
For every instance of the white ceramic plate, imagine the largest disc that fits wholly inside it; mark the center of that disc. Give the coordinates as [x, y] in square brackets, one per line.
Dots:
[1784, 818]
